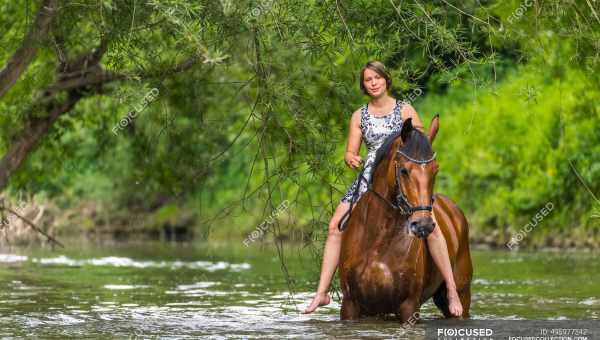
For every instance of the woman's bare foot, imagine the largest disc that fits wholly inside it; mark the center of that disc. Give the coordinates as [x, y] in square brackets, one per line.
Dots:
[454, 304]
[320, 299]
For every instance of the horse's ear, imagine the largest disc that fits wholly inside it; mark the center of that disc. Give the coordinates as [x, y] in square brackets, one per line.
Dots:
[407, 127]
[433, 128]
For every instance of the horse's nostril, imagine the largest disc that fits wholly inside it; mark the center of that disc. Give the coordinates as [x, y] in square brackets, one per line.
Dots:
[414, 227]
[421, 228]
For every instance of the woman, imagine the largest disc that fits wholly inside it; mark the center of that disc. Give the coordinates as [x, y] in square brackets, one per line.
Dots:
[382, 116]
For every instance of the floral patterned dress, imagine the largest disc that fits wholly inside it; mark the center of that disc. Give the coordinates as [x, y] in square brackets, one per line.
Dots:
[374, 130]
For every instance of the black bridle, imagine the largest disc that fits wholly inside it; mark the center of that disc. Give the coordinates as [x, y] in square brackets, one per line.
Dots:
[401, 200]
[402, 204]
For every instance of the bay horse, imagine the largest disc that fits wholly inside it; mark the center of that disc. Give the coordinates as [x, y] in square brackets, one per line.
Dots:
[385, 265]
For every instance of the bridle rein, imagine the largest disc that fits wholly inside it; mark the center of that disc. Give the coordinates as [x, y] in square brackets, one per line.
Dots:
[402, 204]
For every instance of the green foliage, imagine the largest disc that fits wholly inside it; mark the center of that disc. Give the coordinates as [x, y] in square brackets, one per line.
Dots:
[263, 116]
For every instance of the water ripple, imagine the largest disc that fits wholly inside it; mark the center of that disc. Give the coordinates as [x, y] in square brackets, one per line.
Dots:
[113, 261]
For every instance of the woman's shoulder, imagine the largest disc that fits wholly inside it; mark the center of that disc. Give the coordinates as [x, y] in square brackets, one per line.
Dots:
[357, 118]
[406, 109]
[358, 112]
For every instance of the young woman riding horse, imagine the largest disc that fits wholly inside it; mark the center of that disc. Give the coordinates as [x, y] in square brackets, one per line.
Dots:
[373, 123]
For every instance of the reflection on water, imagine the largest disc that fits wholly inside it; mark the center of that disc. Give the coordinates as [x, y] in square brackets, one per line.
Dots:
[171, 291]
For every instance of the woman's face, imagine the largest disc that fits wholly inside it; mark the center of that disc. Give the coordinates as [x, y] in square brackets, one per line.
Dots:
[374, 83]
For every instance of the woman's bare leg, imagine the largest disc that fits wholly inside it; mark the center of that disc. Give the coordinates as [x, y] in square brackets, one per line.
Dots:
[439, 252]
[331, 258]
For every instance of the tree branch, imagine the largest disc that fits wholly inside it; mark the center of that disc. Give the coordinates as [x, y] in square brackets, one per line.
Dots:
[35, 129]
[98, 78]
[29, 223]
[24, 55]
[82, 77]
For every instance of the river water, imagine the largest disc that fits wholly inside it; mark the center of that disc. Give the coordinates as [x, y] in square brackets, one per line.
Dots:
[181, 291]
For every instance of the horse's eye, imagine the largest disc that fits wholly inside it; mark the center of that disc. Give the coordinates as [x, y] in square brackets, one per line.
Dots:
[404, 171]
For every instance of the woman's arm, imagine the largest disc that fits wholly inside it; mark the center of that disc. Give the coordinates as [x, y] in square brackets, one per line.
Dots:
[351, 156]
[409, 112]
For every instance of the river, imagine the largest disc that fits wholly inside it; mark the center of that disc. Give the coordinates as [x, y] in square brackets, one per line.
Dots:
[197, 290]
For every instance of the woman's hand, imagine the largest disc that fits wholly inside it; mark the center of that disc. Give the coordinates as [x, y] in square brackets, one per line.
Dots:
[352, 160]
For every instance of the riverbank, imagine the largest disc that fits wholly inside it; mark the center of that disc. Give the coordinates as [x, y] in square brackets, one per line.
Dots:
[169, 222]
[118, 236]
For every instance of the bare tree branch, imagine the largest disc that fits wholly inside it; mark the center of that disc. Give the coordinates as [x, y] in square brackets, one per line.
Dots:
[29, 223]
[99, 78]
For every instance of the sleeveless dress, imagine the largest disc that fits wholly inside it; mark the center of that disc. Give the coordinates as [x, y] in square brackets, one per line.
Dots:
[374, 132]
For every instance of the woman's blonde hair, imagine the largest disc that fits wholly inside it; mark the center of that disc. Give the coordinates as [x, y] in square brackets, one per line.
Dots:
[379, 68]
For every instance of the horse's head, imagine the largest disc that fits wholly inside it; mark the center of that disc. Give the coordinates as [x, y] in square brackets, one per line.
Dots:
[414, 169]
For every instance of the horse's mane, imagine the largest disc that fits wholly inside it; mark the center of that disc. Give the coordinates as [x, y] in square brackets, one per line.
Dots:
[417, 146]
